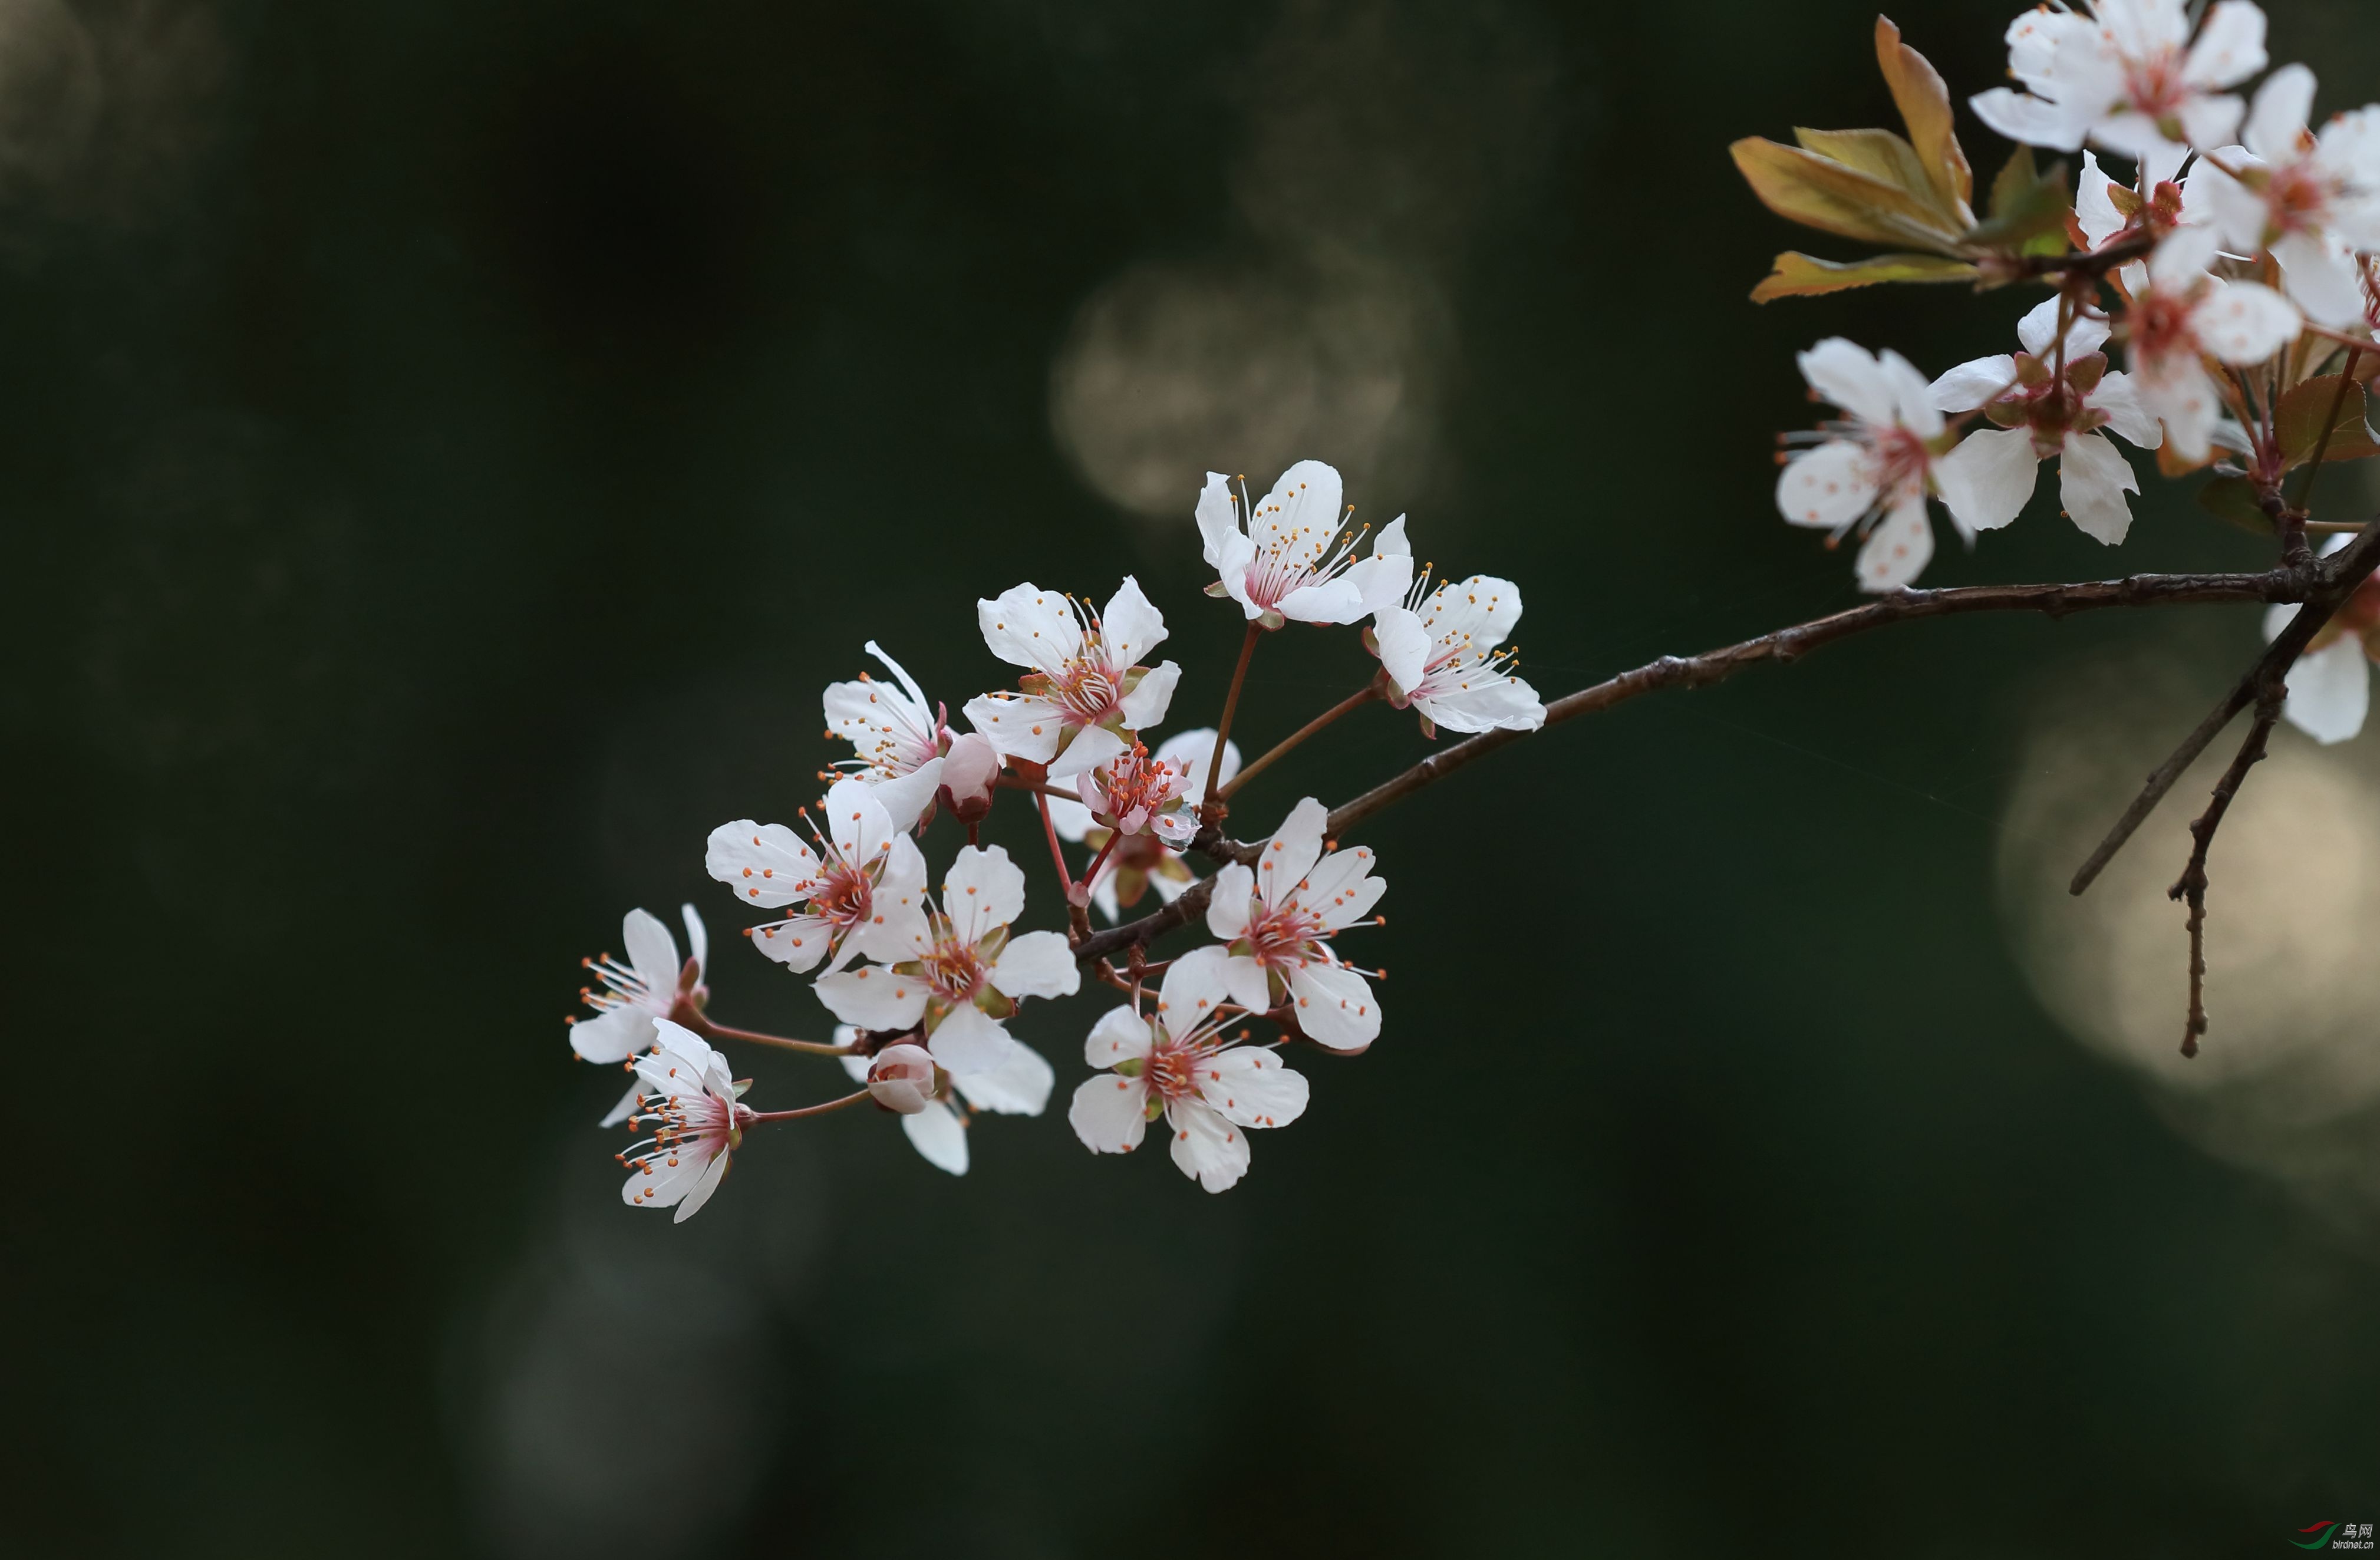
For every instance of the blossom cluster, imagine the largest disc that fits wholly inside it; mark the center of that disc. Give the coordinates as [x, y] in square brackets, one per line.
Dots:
[2229, 255]
[926, 976]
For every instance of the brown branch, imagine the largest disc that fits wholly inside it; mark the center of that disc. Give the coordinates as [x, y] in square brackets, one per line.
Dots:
[2093, 263]
[2322, 588]
[2193, 883]
[1714, 666]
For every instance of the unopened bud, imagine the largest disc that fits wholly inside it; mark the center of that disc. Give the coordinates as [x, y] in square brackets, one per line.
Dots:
[970, 770]
[901, 1079]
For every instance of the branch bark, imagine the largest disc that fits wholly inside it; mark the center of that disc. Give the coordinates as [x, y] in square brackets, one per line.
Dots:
[2193, 883]
[1783, 645]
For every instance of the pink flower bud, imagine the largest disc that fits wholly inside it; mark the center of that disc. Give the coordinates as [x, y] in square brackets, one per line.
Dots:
[970, 769]
[901, 1079]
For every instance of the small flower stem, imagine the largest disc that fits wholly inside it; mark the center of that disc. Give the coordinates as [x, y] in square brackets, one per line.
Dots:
[711, 1031]
[1364, 695]
[1101, 859]
[845, 1102]
[1057, 856]
[1208, 810]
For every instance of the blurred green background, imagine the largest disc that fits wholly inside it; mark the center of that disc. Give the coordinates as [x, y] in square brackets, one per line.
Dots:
[449, 447]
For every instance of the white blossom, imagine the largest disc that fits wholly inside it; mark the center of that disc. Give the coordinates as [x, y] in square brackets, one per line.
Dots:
[2050, 404]
[1877, 461]
[861, 893]
[1444, 653]
[690, 1108]
[1084, 688]
[1141, 862]
[1176, 1063]
[1020, 1086]
[2178, 316]
[897, 738]
[1288, 555]
[2330, 685]
[2128, 75]
[641, 991]
[965, 971]
[2312, 202]
[1277, 920]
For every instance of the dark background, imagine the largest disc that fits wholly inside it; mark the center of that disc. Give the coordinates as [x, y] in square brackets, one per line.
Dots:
[447, 448]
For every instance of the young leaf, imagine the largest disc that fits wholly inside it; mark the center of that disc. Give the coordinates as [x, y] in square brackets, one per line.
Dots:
[2234, 501]
[1836, 197]
[2026, 204]
[1799, 276]
[2298, 422]
[1886, 157]
[1925, 104]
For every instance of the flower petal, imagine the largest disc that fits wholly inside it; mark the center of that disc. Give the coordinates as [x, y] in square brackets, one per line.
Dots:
[1897, 550]
[1019, 725]
[1037, 964]
[1987, 478]
[1019, 1086]
[2093, 477]
[939, 1136]
[2330, 692]
[872, 997]
[1145, 705]
[1110, 1113]
[1827, 488]
[1292, 851]
[1132, 626]
[1251, 1086]
[652, 952]
[614, 1035]
[970, 1040]
[983, 890]
[1205, 1147]
[1030, 627]
[1963, 389]
[1334, 1005]
[1230, 901]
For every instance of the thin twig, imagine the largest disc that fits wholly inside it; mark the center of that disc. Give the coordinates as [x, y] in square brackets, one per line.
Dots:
[2193, 883]
[1364, 695]
[1210, 809]
[694, 1018]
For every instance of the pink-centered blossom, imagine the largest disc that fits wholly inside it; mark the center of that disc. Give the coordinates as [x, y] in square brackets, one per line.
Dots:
[1277, 920]
[641, 990]
[965, 971]
[2312, 201]
[2177, 315]
[2127, 74]
[1444, 653]
[1020, 1086]
[689, 1107]
[897, 738]
[1141, 862]
[1290, 556]
[1084, 688]
[1870, 469]
[859, 894]
[2050, 404]
[1178, 1063]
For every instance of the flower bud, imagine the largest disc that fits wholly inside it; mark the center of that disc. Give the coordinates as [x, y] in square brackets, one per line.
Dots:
[901, 1079]
[970, 769]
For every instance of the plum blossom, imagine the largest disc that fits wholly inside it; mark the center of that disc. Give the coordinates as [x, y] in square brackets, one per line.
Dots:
[2311, 202]
[2049, 403]
[641, 992]
[2179, 315]
[1176, 1063]
[1138, 792]
[690, 1108]
[1277, 920]
[971, 777]
[2105, 208]
[964, 973]
[860, 894]
[1083, 688]
[1444, 655]
[1020, 1086]
[897, 738]
[2330, 686]
[2126, 73]
[1286, 556]
[1877, 461]
[1140, 862]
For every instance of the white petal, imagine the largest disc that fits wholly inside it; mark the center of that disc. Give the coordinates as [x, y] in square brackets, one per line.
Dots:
[1341, 888]
[906, 797]
[1037, 964]
[1110, 1113]
[1897, 550]
[1207, 1147]
[983, 890]
[2230, 46]
[1131, 626]
[2321, 278]
[2094, 207]
[899, 931]
[1251, 1086]
[614, 1035]
[797, 943]
[1404, 645]
[1301, 514]
[939, 1136]
[2283, 106]
[1189, 752]
[1218, 517]
[1231, 900]
[872, 998]
[1092, 746]
[1030, 627]
[2118, 397]
[652, 952]
[1019, 1086]
[1194, 989]
[1019, 725]
[1333, 601]
[2245, 322]
[2085, 333]
[1245, 980]
[2035, 121]
[2330, 691]
[694, 1199]
[1145, 705]
[1295, 846]
[1827, 488]
[1334, 1006]
[2182, 256]
[1912, 395]
[2185, 400]
[1987, 478]
[1963, 389]
[767, 864]
[2093, 477]
[1508, 704]
[625, 1109]
[1121, 1034]
[1849, 376]
[969, 1040]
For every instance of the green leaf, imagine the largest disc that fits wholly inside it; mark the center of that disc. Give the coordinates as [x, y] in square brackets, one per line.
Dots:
[2026, 204]
[2234, 501]
[1925, 104]
[1801, 276]
[2298, 422]
[1836, 197]
[1886, 158]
